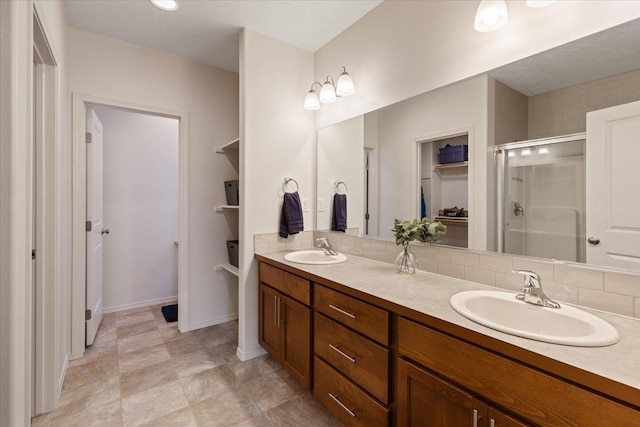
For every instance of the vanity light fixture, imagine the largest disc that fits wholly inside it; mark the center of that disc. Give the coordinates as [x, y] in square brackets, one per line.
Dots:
[169, 5]
[539, 3]
[492, 14]
[329, 91]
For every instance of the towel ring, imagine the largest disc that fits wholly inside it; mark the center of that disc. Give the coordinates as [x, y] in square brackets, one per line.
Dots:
[288, 180]
[336, 184]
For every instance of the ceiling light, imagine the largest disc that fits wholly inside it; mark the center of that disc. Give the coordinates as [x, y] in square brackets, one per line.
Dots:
[491, 15]
[165, 4]
[543, 150]
[525, 152]
[329, 91]
[539, 3]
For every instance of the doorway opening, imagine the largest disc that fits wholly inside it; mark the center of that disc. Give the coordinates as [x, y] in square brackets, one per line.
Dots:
[132, 202]
[134, 182]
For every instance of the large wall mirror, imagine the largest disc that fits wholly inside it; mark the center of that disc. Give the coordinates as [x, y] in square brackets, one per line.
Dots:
[536, 158]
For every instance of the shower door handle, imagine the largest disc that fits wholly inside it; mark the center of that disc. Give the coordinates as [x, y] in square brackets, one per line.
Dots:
[518, 209]
[593, 240]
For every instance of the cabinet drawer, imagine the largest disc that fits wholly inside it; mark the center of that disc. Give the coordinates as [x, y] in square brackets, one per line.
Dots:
[287, 283]
[346, 401]
[359, 315]
[362, 360]
[527, 392]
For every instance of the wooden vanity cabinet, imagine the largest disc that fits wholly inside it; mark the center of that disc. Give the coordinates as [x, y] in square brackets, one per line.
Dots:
[426, 400]
[528, 393]
[285, 323]
[351, 358]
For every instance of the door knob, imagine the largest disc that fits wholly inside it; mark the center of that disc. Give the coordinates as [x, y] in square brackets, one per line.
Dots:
[593, 240]
[105, 231]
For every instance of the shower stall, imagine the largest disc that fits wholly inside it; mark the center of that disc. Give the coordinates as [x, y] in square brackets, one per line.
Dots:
[541, 197]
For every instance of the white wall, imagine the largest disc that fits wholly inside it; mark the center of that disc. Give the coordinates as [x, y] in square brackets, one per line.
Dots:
[404, 48]
[449, 111]
[277, 140]
[104, 67]
[140, 165]
[16, 125]
[340, 157]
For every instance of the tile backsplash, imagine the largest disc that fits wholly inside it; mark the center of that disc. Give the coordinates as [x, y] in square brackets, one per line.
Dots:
[586, 285]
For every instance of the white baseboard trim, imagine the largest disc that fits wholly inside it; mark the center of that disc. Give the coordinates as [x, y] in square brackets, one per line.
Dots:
[244, 356]
[211, 322]
[172, 299]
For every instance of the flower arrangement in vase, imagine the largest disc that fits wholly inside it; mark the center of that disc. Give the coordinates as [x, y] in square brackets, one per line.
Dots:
[424, 230]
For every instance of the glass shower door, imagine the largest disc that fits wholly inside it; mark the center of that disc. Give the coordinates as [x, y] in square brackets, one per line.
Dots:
[543, 204]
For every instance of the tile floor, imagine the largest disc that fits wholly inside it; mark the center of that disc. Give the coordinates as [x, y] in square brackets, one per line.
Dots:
[141, 371]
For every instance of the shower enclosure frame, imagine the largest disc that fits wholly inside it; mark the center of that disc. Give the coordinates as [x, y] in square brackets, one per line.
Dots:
[499, 156]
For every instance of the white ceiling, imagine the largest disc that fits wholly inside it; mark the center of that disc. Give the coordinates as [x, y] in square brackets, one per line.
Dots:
[207, 31]
[607, 53]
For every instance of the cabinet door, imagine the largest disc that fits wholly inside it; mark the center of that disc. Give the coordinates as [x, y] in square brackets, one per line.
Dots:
[497, 418]
[426, 400]
[269, 327]
[296, 340]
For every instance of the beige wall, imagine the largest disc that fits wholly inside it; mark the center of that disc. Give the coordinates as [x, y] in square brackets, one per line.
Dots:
[511, 114]
[564, 111]
[100, 66]
[277, 140]
[404, 48]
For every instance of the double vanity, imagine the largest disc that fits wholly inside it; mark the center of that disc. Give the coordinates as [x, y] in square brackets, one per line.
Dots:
[381, 349]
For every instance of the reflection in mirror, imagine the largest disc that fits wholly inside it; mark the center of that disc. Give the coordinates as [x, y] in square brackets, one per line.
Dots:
[548, 95]
[541, 208]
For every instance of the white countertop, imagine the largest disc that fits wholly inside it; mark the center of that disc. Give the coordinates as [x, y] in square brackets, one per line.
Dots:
[429, 294]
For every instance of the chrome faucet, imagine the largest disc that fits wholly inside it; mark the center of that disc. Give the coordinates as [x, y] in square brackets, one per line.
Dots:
[532, 290]
[323, 243]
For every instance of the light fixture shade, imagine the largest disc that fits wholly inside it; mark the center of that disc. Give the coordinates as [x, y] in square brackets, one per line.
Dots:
[311, 102]
[539, 3]
[327, 93]
[345, 86]
[491, 15]
[169, 5]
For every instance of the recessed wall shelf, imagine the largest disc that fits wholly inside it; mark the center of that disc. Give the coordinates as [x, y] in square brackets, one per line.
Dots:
[446, 166]
[232, 147]
[230, 268]
[223, 208]
[452, 219]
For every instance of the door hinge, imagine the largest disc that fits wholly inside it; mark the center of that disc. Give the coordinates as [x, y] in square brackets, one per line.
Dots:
[88, 137]
[87, 226]
[33, 254]
[87, 315]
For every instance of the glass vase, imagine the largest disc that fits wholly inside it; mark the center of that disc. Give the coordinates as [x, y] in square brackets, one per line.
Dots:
[406, 262]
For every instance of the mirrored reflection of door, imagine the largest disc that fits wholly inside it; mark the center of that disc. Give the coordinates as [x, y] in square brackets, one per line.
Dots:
[544, 200]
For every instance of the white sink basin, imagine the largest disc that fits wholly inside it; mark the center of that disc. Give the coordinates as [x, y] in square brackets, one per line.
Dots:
[503, 312]
[313, 256]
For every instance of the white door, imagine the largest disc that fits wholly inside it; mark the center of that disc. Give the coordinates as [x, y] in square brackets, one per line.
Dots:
[94, 219]
[613, 193]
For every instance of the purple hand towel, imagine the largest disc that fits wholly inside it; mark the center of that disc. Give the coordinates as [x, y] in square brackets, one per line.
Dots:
[291, 221]
[339, 216]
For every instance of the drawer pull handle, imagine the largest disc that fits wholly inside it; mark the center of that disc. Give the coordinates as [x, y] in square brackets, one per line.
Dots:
[475, 418]
[350, 411]
[492, 423]
[339, 310]
[351, 359]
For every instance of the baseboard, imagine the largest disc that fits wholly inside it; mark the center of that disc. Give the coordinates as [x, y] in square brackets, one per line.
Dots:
[140, 304]
[211, 322]
[244, 356]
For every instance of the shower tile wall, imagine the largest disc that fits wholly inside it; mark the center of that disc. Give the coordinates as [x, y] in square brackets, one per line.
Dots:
[563, 111]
